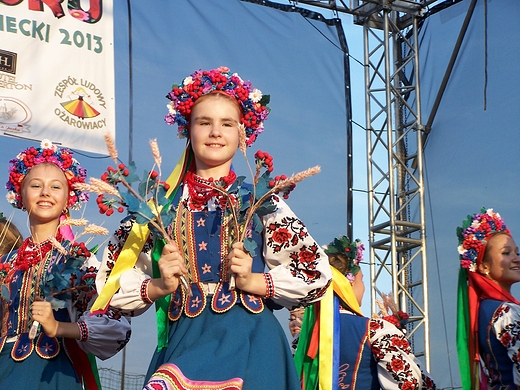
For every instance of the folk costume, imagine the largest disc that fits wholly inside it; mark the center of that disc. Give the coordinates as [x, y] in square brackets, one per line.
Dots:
[488, 317]
[217, 337]
[339, 348]
[43, 362]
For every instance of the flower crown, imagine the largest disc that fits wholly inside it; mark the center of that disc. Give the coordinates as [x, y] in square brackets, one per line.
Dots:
[46, 153]
[351, 251]
[251, 100]
[475, 232]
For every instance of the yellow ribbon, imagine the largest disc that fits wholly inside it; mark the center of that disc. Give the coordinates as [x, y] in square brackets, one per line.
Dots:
[134, 245]
[343, 289]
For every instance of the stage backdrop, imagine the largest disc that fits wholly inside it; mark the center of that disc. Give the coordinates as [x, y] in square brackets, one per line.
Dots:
[301, 60]
[57, 72]
[472, 151]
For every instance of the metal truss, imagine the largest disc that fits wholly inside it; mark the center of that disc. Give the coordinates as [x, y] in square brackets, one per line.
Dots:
[395, 136]
[395, 170]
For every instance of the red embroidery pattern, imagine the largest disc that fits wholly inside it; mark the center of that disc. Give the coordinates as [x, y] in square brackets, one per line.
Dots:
[287, 234]
[393, 348]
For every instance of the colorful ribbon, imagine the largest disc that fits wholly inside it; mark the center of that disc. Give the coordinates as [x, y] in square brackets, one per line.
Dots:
[135, 242]
[317, 354]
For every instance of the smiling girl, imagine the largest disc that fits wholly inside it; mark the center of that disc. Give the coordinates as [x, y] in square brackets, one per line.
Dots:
[219, 337]
[41, 182]
[488, 315]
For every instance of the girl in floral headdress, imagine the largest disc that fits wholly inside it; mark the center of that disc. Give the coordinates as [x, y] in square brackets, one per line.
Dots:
[216, 336]
[339, 348]
[47, 285]
[488, 320]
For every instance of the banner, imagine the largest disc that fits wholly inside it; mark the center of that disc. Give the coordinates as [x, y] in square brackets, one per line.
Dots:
[57, 72]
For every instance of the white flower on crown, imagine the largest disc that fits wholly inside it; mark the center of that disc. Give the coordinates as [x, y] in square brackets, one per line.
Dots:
[11, 197]
[255, 95]
[171, 108]
[491, 213]
[461, 249]
[47, 144]
[473, 267]
[187, 80]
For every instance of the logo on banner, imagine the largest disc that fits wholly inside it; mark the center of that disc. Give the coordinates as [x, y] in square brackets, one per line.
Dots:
[80, 104]
[13, 115]
[7, 62]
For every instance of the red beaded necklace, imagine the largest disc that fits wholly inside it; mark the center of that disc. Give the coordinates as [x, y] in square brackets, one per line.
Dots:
[201, 190]
[30, 253]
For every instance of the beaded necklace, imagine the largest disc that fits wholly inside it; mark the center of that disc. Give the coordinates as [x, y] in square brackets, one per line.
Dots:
[31, 253]
[201, 190]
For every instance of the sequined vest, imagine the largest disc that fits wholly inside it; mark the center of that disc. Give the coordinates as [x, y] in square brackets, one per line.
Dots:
[16, 318]
[357, 366]
[204, 238]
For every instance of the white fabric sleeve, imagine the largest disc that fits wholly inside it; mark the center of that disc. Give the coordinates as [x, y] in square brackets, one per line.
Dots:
[397, 366]
[104, 334]
[298, 265]
[128, 298]
[506, 324]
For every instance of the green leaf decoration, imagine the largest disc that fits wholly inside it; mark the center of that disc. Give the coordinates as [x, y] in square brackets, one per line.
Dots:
[235, 186]
[266, 209]
[132, 176]
[257, 223]
[144, 214]
[132, 204]
[57, 303]
[250, 245]
[265, 100]
[161, 198]
[145, 186]
[4, 292]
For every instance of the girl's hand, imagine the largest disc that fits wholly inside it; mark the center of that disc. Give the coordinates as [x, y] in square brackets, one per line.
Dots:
[172, 267]
[43, 313]
[241, 264]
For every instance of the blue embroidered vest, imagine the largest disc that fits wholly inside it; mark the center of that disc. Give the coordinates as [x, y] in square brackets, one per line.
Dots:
[16, 318]
[204, 238]
[357, 366]
[494, 354]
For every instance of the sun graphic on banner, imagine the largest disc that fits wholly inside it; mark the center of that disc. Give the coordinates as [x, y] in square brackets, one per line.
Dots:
[79, 107]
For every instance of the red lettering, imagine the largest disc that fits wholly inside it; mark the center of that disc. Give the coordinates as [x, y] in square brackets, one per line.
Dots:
[95, 11]
[54, 5]
[11, 2]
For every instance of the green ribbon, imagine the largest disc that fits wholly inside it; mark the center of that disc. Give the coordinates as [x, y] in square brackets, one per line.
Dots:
[463, 327]
[162, 305]
[93, 364]
[306, 366]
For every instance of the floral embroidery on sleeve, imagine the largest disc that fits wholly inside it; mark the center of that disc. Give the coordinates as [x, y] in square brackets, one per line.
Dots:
[290, 232]
[394, 356]
[506, 323]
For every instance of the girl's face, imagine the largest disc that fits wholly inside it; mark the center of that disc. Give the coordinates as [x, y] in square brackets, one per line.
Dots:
[295, 321]
[358, 286]
[45, 193]
[214, 135]
[502, 263]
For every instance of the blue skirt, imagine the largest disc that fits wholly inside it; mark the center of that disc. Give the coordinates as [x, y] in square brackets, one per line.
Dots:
[229, 347]
[37, 373]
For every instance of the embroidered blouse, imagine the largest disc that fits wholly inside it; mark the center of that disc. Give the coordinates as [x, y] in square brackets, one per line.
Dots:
[499, 342]
[297, 271]
[397, 366]
[102, 335]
